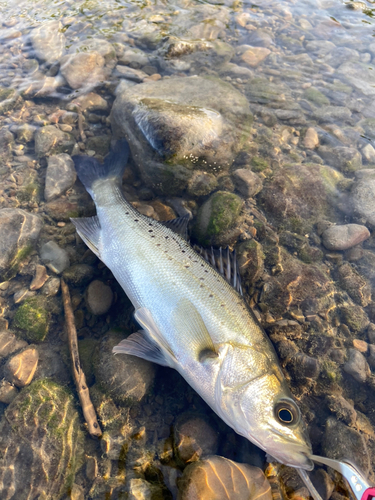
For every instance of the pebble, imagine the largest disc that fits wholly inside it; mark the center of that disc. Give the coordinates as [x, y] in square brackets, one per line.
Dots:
[136, 75]
[7, 392]
[360, 345]
[87, 103]
[357, 366]
[78, 274]
[51, 140]
[363, 195]
[22, 294]
[55, 258]
[26, 132]
[9, 344]
[20, 369]
[51, 287]
[194, 438]
[48, 41]
[40, 277]
[311, 140]
[247, 182]
[98, 297]
[343, 158]
[83, 69]
[60, 176]
[253, 56]
[323, 483]
[368, 152]
[345, 236]
[201, 184]
[227, 479]
[343, 410]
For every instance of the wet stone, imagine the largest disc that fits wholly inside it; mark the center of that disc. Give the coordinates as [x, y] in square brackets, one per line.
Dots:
[247, 182]
[83, 69]
[344, 237]
[311, 139]
[201, 184]
[357, 286]
[40, 277]
[7, 392]
[40, 433]
[125, 378]
[60, 176]
[368, 152]
[363, 194]
[32, 319]
[51, 140]
[48, 41]
[357, 366]
[354, 317]
[20, 369]
[51, 287]
[9, 343]
[78, 274]
[98, 297]
[26, 132]
[323, 483]
[343, 410]
[252, 56]
[19, 231]
[194, 438]
[226, 478]
[343, 158]
[54, 257]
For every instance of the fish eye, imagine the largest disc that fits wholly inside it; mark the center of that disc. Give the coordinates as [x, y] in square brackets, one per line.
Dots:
[287, 412]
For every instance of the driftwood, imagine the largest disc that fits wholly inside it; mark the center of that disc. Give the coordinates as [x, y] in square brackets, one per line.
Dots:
[79, 377]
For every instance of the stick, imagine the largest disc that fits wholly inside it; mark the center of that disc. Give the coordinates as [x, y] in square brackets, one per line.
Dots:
[79, 377]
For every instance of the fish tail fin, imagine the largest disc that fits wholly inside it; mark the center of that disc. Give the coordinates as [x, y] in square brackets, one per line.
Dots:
[90, 170]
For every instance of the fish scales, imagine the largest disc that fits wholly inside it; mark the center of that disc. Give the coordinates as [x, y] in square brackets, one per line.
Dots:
[194, 321]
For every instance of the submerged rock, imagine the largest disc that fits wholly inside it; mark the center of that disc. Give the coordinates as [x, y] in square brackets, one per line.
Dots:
[345, 236]
[341, 157]
[32, 318]
[357, 366]
[50, 140]
[194, 438]
[363, 195]
[20, 369]
[19, 231]
[40, 433]
[48, 41]
[178, 125]
[218, 478]
[60, 176]
[98, 297]
[55, 258]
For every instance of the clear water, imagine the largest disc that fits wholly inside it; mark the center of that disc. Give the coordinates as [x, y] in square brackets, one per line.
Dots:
[307, 71]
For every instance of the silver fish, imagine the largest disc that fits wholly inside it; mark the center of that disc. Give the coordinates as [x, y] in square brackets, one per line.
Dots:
[192, 319]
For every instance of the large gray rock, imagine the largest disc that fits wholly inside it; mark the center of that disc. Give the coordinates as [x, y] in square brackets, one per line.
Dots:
[60, 176]
[19, 232]
[48, 41]
[346, 236]
[50, 140]
[363, 195]
[177, 125]
[360, 75]
[56, 258]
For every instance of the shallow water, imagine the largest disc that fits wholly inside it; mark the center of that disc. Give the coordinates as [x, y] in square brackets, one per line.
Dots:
[306, 71]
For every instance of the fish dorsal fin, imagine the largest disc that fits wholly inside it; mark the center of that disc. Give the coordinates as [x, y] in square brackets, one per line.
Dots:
[187, 320]
[225, 263]
[178, 225]
[139, 344]
[89, 230]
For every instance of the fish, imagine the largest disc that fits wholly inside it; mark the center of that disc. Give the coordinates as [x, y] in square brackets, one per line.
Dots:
[191, 318]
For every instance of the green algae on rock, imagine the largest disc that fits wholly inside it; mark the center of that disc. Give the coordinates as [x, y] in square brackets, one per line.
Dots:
[217, 217]
[32, 318]
[40, 434]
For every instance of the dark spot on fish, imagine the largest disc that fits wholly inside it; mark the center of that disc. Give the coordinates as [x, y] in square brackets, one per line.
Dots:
[166, 237]
[126, 213]
[158, 244]
[201, 286]
[210, 295]
[150, 224]
[222, 305]
[205, 271]
[152, 236]
[183, 251]
[187, 267]
[136, 220]
[202, 279]
[150, 230]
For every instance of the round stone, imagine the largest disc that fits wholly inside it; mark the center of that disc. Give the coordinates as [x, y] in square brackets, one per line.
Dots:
[98, 297]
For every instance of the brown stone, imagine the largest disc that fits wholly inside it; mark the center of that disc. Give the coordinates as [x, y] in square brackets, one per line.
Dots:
[311, 139]
[9, 343]
[40, 277]
[255, 55]
[7, 392]
[21, 368]
[218, 478]
[194, 437]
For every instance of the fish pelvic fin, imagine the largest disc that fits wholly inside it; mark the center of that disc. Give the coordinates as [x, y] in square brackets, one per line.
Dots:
[190, 325]
[139, 344]
[178, 225]
[90, 170]
[89, 230]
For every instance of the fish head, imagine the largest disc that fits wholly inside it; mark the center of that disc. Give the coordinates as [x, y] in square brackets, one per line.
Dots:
[263, 410]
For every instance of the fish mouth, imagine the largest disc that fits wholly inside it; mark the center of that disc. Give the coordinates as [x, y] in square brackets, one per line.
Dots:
[294, 455]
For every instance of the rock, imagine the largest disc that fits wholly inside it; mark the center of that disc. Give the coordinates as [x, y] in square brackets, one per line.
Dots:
[77, 493]
[344, 237]
[250, 258]
[99, 143]
[25, 133]
[60, 176]
[99, 45]
[63, 209]
[7, 392]
[235, 71]
[247, 182]
[131, 56]
[84, 69]
[32, 318]
[125, 378]
[201, 184]
[40, 277]
[343, 410]
[78, 274]
[51, 364]
[22, 294]
[135, 75]
[217, 217]
[218, 478]
[55, 258]
[341, 157]
[314, 95]
[179, 125]
[354, 284]
[357, 366]
[363, 195]
[48, 41]
[194, 438]
[368, 152]
[332, 114]
[40, 433]
[344, 443]
[311, 139]
[260, 38]
[19, 231]
[50, 140]
[359, 75]
[253, 56]
[262, 91]
[10, 344]
[51, 287]
[88, 103]
[323, 483]
[303, 367]
[20, 369]
[140, 489]
[98, 297]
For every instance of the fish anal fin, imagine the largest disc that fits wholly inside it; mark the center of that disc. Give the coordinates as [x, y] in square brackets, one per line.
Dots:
[139, 344]
[178, 225]
[147, 322]
[190, 324]
[89, 230]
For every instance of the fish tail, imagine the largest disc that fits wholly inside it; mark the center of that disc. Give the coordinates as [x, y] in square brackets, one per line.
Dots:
[89, 170]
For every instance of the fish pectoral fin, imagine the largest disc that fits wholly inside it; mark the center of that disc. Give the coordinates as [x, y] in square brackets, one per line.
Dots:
[178, 225]
[194, 334]
[145, 319]
[89, 230]
[139, 344]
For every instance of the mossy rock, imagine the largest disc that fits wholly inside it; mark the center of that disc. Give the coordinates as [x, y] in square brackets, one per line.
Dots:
[250, 258]
[259, 164]
[216, 217]
[32, 318]
[314, 95]
[354, 317]
[41, 444]
[99, 143]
